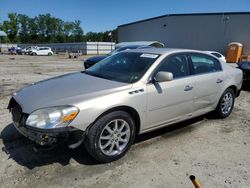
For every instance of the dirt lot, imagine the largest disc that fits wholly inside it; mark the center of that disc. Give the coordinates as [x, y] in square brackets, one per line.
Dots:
[216, 151]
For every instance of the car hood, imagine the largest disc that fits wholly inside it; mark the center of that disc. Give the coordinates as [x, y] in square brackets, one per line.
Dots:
[244, 65]
[96, 59]
[67, 89]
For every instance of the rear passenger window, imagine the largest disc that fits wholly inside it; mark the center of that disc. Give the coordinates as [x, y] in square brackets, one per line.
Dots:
[204, 64]
[177, 65]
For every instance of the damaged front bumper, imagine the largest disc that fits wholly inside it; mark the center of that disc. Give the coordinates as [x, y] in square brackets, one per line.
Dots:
[44, 137]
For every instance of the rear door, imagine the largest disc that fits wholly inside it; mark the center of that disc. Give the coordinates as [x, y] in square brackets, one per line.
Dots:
[208, 78]
[170, 101]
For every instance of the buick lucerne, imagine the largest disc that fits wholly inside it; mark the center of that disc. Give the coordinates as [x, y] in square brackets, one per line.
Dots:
[124, 95]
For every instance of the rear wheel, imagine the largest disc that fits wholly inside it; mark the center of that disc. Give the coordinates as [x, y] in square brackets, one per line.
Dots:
[226, 104]
[34, 53]
[49, 54]
[111, 136]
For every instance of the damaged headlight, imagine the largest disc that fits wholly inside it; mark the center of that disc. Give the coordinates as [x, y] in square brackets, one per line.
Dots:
[53, 117]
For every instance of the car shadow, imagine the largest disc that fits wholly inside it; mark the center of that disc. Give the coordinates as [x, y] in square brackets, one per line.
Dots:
[20, 149]
[170, 129]
[246, 87]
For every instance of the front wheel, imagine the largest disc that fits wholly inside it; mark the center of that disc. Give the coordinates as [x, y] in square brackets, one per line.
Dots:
[49, 54]
[226, 104]
[111, 136]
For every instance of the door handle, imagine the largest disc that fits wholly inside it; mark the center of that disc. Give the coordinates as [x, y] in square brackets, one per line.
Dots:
[188, 88]
[219, 81]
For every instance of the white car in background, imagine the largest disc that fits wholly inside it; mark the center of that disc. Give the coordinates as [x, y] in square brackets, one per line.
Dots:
[218, 55]
[42, 51]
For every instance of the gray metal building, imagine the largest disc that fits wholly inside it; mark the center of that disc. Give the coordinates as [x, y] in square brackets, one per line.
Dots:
[206, 31]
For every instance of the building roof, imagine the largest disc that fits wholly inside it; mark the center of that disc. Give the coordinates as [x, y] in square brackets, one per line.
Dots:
[3, 34]
[187, 14]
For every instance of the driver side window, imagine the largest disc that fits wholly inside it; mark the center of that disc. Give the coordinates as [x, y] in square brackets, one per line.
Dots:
[177, 65]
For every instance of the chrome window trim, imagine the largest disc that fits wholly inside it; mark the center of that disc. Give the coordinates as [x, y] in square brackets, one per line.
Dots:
[149, 80]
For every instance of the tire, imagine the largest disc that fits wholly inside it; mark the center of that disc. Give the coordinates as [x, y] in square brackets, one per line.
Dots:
[224, 108]
[102, 135]
[49, 54]
[34, 54]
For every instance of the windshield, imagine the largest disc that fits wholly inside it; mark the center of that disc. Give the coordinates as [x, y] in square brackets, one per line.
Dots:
[126, 67]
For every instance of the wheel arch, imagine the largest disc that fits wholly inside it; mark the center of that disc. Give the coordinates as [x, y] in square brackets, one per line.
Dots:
[234, 88]
[130, 110]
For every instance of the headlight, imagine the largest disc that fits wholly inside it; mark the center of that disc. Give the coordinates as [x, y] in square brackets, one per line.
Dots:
[54, 117]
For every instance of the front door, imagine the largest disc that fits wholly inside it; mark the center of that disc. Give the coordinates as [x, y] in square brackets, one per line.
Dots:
[171, 101]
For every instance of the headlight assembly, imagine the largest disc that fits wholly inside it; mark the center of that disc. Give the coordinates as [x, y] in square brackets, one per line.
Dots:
[53, 117]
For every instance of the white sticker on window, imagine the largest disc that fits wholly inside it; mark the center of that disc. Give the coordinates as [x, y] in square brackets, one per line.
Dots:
[153, 56]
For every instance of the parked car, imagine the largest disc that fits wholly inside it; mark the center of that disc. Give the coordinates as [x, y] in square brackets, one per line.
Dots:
[12, 50]
[41, 51]
[217, 54]
[28, 50]
[124, 95]
[245, 67]
[121, 47]
[19, 51]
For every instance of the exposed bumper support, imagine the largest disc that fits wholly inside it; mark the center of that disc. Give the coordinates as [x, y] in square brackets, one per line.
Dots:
[72, 136]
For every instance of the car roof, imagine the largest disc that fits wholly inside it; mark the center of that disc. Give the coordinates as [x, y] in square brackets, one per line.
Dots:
[212, 52]
[162, 51]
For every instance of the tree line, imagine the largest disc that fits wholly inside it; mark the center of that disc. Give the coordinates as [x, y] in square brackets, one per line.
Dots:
[45, 28]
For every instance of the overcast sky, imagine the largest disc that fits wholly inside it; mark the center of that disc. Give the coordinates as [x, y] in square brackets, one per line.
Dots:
[101, 15]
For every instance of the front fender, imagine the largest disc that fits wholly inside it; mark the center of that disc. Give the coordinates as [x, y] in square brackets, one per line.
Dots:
[92, 109]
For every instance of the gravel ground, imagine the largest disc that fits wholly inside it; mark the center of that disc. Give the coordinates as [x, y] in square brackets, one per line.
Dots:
[215, 151]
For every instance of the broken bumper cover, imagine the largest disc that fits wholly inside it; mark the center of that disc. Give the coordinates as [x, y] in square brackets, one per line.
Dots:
[44, 137]
[49, 137]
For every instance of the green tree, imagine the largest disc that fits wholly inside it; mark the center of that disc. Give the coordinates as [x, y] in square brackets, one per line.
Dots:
[5, 28]
[42, 27]
[68, 28]
[59, 33]
[45, 28]
[33, 30]
[11, 27]
[102, 36]
[24, 30]
[77, 31]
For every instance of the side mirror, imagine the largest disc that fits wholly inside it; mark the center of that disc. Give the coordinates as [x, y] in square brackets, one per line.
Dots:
[163, 76]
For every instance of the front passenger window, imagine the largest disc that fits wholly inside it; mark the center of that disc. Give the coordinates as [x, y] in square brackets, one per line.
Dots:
[177, 65]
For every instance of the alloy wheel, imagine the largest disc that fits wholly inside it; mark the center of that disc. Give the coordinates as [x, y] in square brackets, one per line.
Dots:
[227, 103]
[114, 137]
